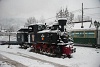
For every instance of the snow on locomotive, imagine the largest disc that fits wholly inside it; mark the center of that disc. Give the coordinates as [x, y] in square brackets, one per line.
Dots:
[51, 40]
[54, 41]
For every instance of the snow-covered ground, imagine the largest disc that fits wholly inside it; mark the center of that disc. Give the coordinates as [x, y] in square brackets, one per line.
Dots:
[84, 57]
[4, 64]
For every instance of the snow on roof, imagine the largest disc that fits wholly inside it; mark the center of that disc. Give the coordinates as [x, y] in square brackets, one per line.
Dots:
[62, 18]
[87, 26]
[22, 27]
[25, 28]
[44, 31]
[52, 31]
[55, 31]
[37, 24]
[83, 29]
[54, 23]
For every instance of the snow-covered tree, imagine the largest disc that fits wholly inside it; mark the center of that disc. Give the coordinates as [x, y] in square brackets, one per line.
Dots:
[30, 20]
[66, 14]
[71, 16]
[10, 29]
[42, 20]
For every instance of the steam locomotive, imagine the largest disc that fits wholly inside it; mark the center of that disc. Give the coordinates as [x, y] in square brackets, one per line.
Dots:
[51, 40]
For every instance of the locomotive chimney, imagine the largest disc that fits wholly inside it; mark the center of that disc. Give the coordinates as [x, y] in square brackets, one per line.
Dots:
[62, 23]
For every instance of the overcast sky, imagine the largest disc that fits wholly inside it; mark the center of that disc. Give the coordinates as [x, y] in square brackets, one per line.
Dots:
[45, 8]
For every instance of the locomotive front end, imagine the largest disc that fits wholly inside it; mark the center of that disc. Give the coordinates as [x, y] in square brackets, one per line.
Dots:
[65, 42]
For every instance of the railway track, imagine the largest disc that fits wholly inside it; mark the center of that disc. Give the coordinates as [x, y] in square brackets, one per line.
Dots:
[10, 62]
[34, 58]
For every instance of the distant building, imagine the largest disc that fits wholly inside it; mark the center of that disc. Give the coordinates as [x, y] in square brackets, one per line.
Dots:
[85, 36]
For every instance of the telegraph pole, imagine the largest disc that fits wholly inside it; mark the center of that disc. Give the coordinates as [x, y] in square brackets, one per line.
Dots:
[82, 17]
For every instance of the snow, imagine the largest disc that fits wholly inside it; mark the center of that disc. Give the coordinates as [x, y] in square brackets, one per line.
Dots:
[84, 57]
[6, 38]
[37, 24]
[50, 31]
[44, 31]
[62, 18]
[86, 25]
[26, 61]
[24, 27]
[5, 64]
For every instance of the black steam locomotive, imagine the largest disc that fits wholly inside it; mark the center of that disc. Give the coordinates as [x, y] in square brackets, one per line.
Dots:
[51, 40]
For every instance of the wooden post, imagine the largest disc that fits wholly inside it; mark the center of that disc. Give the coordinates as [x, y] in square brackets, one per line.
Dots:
[82, 17]
[9, 40]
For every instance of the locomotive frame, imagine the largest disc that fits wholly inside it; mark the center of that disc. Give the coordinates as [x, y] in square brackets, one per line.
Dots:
[54, 41]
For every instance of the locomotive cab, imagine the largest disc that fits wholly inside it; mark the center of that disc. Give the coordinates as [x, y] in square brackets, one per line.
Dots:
[33, 29]
[22, 36]
[36, 27]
